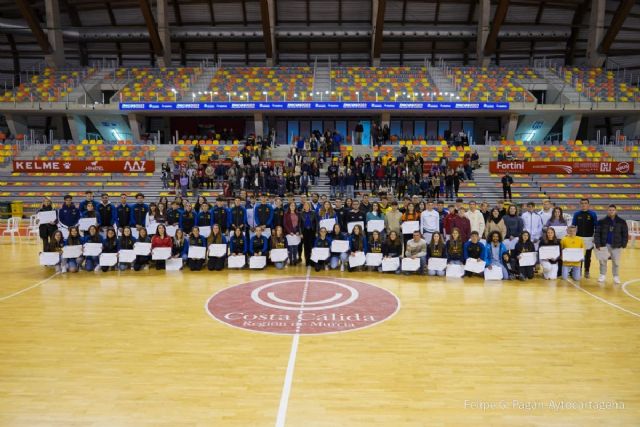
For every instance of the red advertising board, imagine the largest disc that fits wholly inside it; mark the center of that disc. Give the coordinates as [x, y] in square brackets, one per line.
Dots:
[83, 166]
[566, 168]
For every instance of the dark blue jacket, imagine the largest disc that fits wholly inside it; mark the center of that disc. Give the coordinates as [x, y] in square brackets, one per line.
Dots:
[123, 215]
[69, 215]
[258, 245]
[238, 244]
[204, 218]
[139, 214]
[107, 214]
[263, 214]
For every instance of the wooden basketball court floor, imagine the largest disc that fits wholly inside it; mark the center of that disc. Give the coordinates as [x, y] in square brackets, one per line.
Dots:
[131, 349]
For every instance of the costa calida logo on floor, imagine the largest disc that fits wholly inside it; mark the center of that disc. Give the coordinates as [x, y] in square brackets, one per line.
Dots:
[305, 306]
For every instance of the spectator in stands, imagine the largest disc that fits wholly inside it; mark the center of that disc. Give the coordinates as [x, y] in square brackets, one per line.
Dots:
[586, 220]
[612, 235]
[501, 156]
[184, 184]
[507, 182]
[197, 152]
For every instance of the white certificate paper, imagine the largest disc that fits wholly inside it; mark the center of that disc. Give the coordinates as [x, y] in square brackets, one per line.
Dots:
[340, 246]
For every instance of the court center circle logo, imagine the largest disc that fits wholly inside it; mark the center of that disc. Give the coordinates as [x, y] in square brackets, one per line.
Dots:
[305, 306]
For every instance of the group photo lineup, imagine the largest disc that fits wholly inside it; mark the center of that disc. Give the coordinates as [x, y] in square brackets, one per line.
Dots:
[321, 213]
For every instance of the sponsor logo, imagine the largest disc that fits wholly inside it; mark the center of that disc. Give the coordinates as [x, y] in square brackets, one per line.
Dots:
[510, 166]
[135, 166]
[623, 167]
[303, 306]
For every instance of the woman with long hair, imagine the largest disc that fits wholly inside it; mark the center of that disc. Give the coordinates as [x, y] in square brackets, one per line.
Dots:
[375, 246]
[46, 230]
[410, 214]
[74, 239]
[196, 240]
[323, 241]
[357, 242]
[524, 245]
[92, 263]
[436, 249]
[110, 246]
[278, 241]
[216, 237]
[161, 240]
[550, 266]
[55, 244]
[125, 242]
[338, 258]
[180, 246]
[455, 248]
[495, 223]
[291, 224]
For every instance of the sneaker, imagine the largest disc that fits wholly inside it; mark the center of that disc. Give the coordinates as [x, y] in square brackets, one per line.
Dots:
[63, 269]
[341, 267]
[586, 275]
[326, 267]
[97, 268]
[616, 280]
[601, 278]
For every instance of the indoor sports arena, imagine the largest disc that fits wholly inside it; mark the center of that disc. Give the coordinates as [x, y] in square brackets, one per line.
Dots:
[319, 213]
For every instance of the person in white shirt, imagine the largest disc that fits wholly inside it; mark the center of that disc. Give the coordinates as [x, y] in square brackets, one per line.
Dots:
[476, 218]
[429, 222]
[533, 223]
[547, 211]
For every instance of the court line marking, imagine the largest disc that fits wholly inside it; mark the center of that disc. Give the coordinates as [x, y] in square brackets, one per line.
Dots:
[288, 378]
[624, 288]
[580, 288]
[42, 282]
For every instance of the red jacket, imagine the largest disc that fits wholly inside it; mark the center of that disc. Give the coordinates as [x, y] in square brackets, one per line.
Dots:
[158, 242]
[462, 224]
[287, 224]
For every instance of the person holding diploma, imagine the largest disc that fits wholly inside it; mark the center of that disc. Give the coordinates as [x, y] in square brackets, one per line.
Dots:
[374, 215]
[357, 242]
[375, 247]
[417, 248]
[68, 215]
[126, 242]
[55, 244]
[180, 246]
[291, 224]
[161, 240]
[279, 241]
[327, 212]
[571, 241]
[611, 233]
[46, 230]
[323, 241]
[493, 254]
[515, 226]
[455, 248]
[142, 260]
[338, 258]
[216, 237]
[437, 249]
[196, 240]
[74, 239]
[259, 244]
[473, 249]
[109, 246]
[392, 248]
[238, 244]
[92, 263]
[410, 214]
[550, 266]
[524, 245]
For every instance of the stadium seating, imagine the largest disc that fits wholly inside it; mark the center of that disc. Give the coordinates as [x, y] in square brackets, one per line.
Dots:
[571, 151]
[600, 85]
[251, 83]
[97, 151]
[381, 83]
[492, 84]
[50, 86]
[156, 84]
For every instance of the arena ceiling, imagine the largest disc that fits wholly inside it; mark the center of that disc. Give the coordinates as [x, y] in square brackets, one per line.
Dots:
[347, 31]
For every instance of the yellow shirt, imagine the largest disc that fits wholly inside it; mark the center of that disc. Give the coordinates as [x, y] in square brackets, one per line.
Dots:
[572, 243]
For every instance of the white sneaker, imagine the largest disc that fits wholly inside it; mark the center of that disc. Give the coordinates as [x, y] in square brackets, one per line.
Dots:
[601, 278]
[63, 269]
[341, 267]
[616, 280]
[97, 268]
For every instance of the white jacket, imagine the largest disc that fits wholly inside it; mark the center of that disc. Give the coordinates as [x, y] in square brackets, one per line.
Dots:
[477, 221]
[533, 224]
[429, 221]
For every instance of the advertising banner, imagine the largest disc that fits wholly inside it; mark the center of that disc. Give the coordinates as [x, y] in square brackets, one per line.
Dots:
[565, 168]
[83, 166]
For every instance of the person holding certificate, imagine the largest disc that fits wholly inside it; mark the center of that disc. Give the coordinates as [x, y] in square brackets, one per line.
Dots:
[571, 241]
[323, 241]
[55, 244]
[180, 246]
[455, 248]
[416, 248]
[494, 254]
[291, 224]
[279, 241]
[126, 243]
[374, 215]
[357, 242]
[524, 246]
[196, 240]
[92, 263]
[515, 227]
[216, 237]
[436, 249]
[142, 260]
[473, 249]
[90, 212]
[161, 240]
[392, 248]
[238, 244]
[375, 247]
[109, 246]
[550, 266]
[338, 258]
[259, 244]
[74, 239]
[409, 215]
[46, 229]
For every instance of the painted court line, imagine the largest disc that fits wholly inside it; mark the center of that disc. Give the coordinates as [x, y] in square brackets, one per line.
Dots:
[624, 288]
[288, 378]
[603, 300]
[42, 282]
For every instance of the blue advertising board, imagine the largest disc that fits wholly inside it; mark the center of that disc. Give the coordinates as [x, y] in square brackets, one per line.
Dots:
[311, 105]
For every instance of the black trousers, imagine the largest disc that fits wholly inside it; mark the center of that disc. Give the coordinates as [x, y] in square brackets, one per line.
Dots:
[308, 237]
[505, 191]
[216, 263]
[587, 260]
[195, 264]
